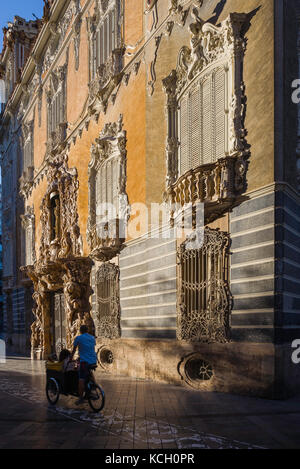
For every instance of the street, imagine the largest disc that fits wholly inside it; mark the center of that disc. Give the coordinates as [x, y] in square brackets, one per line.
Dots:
[138, 414]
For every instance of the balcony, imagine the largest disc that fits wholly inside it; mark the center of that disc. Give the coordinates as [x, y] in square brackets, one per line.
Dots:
[216, 185]
[57, 140]
[106, 240]
[107, 77]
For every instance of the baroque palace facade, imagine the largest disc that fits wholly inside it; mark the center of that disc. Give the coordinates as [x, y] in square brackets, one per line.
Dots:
[155, 106]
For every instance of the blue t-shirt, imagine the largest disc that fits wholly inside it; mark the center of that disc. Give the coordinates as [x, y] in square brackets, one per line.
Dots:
[86, 344]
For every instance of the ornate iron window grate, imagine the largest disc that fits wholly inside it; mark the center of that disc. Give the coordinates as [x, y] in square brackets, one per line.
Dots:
[205, 301]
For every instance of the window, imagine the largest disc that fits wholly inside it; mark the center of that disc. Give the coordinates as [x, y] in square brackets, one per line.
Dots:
[107, 190]
[206, 101]
[106, 36]
[108, 201]
[56, 98]
[202, 121]
[55, 112]
[205, 299]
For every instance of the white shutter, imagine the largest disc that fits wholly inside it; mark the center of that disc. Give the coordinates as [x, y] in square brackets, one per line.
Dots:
[184, 135]
[116, 169]
[194, 128]
[220, 113]
[207, 121]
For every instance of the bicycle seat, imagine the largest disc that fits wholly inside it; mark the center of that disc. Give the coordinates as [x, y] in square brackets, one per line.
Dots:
[92, 367]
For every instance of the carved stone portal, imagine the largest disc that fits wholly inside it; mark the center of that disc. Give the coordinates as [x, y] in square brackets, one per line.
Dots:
[60, 266]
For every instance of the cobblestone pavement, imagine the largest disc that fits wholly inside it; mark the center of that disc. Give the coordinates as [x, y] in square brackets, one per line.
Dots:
[138, 414]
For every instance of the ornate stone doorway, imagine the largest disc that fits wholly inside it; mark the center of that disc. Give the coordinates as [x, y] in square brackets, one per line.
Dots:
[61, 274]
[59, 322]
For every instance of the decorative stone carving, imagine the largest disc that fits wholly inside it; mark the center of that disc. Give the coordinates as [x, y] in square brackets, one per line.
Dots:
[108, 76]
[60, 264]
[151, 71]
[76, 39]
[204, 302]
[108, 301]
[28, 224]
[58, 35]
[26, 180]
[106, 237]
[218, 184]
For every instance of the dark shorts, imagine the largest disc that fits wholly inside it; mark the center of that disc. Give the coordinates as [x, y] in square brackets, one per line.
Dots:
[84, 370]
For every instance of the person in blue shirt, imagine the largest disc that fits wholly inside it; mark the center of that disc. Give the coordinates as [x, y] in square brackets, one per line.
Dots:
[86, 346]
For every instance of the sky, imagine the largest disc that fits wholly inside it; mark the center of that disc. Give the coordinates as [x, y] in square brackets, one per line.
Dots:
[23, 8]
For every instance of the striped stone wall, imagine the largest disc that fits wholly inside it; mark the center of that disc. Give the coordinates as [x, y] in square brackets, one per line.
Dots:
[148, 289]
[265, 269]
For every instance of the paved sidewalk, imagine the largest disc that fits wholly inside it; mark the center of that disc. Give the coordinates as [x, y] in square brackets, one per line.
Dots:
[138, 414]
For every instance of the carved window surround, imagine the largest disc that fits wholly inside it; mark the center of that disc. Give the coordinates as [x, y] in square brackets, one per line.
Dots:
[106, 236]
[56, 98]
[105, 74]
[217, 184]
[28, 224]
[204, 299]
[26, 180]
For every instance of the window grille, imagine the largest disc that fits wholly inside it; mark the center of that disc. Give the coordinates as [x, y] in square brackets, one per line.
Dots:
[108, 301]
[205, 300]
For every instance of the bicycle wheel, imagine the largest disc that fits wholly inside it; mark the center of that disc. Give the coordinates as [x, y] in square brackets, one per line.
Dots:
[52, 391]
[96, 397]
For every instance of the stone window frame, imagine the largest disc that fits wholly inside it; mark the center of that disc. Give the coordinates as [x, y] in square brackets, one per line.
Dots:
[110, 144]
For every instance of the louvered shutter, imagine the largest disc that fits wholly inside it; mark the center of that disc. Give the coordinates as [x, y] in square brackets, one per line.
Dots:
[220, 113]
[207, 121]
[194, 128]
[184, 135]
[116, 168]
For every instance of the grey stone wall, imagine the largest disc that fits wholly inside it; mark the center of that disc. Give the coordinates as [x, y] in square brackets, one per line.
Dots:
[148, 289]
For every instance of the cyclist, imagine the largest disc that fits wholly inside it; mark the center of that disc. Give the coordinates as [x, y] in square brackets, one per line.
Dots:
[86, 345]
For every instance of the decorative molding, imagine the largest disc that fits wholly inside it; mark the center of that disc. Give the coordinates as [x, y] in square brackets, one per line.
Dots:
[108, 313]
[76, 39]
[106, 238]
